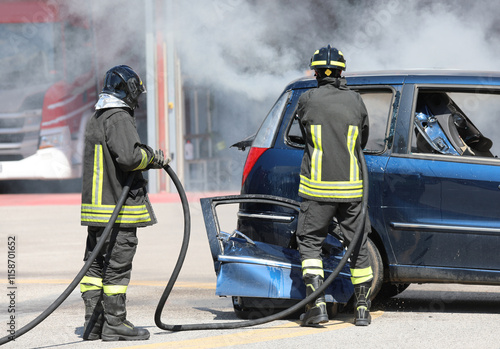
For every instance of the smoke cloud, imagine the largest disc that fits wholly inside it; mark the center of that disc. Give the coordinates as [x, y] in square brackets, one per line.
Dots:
[258, 46]
[245, 51]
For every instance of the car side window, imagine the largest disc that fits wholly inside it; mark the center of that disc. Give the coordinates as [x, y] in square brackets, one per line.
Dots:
[378, 104]
[459, 123]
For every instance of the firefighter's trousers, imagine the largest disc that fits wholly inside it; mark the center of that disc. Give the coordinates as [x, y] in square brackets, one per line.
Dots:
[112, 268]
[312, 229]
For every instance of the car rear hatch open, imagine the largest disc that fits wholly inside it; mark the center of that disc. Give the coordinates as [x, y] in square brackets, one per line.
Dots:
[246, 267]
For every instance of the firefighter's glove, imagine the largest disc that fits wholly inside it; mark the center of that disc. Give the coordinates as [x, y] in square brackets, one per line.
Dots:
[159, 161]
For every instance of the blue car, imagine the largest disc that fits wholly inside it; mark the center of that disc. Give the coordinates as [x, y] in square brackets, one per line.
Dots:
[434, 177]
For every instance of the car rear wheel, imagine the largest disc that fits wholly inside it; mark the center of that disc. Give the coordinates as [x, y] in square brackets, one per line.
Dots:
[263, 307]
[379, 288]
[390, 290]
[249, 308]
[377, 268]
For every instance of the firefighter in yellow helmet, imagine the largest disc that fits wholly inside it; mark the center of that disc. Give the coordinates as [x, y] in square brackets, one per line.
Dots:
[335, 122]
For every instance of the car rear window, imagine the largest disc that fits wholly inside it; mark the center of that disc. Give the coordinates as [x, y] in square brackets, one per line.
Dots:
[378, 102]
[268, 129]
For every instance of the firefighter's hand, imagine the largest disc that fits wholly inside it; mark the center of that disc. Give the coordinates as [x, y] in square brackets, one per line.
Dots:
[159, 160]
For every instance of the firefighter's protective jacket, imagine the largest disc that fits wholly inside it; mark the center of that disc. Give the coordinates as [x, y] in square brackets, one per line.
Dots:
[112, 150]
[335, 122]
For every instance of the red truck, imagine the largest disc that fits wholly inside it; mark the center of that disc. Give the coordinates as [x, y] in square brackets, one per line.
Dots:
[48, 89]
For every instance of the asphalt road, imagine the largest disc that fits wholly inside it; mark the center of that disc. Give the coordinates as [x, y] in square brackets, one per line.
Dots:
[49, 244]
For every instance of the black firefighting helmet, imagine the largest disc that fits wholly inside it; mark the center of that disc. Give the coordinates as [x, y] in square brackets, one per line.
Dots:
[327, 61]
[123, 83]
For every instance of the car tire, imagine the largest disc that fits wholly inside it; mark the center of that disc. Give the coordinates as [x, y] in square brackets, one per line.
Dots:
[389, 290]
[267, 308]
[256, 308]
[377, 268]
[246, 313]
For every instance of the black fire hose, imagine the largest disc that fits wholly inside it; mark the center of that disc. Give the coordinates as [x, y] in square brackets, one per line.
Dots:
[277, 316]
[82, 272]
[180, 261]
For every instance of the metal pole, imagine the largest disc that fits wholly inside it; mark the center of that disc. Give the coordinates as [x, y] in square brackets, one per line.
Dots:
[150, 86]
[179, 116]
[173, 108]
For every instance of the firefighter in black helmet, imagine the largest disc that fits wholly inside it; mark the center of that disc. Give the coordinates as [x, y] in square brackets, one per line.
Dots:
[113, 150]
[335, 122]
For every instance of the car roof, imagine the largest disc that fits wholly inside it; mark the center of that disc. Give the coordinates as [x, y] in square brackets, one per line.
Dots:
[416, 76]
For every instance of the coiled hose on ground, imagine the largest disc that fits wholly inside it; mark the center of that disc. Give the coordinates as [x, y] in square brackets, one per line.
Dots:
[253, 322]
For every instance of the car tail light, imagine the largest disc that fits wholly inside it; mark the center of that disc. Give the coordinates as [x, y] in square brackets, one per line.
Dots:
[252, 157]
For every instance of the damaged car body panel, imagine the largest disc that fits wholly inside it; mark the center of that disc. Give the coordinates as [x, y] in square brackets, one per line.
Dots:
[266, 268]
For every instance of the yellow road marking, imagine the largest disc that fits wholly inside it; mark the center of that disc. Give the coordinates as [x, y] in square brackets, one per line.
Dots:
[178, 284]
[282, 331]
[182, 284]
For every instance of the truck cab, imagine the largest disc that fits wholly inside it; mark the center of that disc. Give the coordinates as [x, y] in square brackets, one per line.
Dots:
[48, 89]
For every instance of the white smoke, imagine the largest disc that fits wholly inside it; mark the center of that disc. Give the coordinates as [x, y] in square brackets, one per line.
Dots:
[254, 47]
[246, 51]
[418, 34]
[232, 45]
[257, 46]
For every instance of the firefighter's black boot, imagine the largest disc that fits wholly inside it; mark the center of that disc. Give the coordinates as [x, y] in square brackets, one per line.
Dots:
[362, 307]
[93, 315]
[116, 327]
[316, 310]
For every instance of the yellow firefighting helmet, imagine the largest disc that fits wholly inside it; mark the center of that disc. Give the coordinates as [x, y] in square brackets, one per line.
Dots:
[327, 60]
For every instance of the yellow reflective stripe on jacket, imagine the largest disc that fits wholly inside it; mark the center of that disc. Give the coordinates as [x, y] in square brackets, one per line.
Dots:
[316, 186]
[110, 290]
[98, 177]
[352, 135]
[334, 189]
[332, 185]
[90, 283]
[317, 155]
[96, 212]
[331, 194]
[312, 266]
[144, 161]
[358, 276]
[102, 213]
